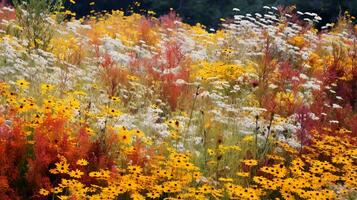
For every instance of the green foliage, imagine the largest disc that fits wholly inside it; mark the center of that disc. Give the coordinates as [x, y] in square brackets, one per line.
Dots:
[33, 16]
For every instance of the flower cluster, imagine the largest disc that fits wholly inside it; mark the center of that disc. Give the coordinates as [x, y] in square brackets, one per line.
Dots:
[117, 106]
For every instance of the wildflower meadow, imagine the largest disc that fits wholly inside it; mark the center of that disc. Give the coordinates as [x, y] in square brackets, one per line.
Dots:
[132, 106]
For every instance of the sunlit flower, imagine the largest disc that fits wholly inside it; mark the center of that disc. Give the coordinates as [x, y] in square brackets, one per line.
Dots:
[135, 169]
[82, 162]
[62, 167]
[250, 162]
[44, 192]
[76, 173]
[46, 88]
[23, 84]
[243, 174]
[113, 112]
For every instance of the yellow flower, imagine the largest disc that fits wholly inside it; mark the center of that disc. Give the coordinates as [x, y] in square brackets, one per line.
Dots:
[23, 84]
[243, 174]
[76, 173]
[173, 123]
[44, 192]
[90, 131]
[100, 174]
[210, 152]
[218, 70]
[57, 190]
[124, 137]
[113, 112]
[250, 162]
[135, 169]
[62, 167]
[297, 40]
[137, 133]
[22, 108]
[153, 195]
[343, 131]
[82, 162]
[62, 197]
[248, 138]
[137, 196]
[197, 175]
[147, 141]
[39, 41]
[94, 174]
[3, 86]
[285, 98]
[275, 157]
[46, 88]
[278, 170]
[115, 99]
[79, 93]
[225, 179]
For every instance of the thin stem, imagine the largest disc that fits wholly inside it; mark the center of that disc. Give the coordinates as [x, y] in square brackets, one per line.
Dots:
[302, 133]
[204, 140]
[192, 108]
[268, 134]
[256, 136]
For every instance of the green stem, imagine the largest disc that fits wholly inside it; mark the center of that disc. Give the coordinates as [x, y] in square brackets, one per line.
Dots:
[191, 113]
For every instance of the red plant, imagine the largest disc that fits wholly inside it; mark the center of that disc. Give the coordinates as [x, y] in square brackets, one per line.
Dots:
[169, 21]
[53, 138]
[140, 155]
[7, 13]
[174, 67]
[13, 150]
[306, 125]
[112, 75]
[145, 33]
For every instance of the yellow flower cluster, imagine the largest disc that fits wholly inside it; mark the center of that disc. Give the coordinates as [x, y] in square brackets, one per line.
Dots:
[67, 48]
[218, 70]
[306, 176]
[45, 103]
[174, 177]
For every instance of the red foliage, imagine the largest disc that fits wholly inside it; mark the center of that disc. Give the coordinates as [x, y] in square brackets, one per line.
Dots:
[112, 75]
[285, 80]
[99, 155]
[144, 30]
[53, 138]
[6, 13]
[13, 150]
[140, 155]
[167, 66]
[174, 67]
[306, 123]
[169, 21]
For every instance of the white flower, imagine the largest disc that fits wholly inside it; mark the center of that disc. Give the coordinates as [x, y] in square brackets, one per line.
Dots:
[180, 82]
[272, 86]
[313, 116]
[336, 106]
[334, 121]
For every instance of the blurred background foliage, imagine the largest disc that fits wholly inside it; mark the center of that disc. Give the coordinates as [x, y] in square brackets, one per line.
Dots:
[208, 12]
